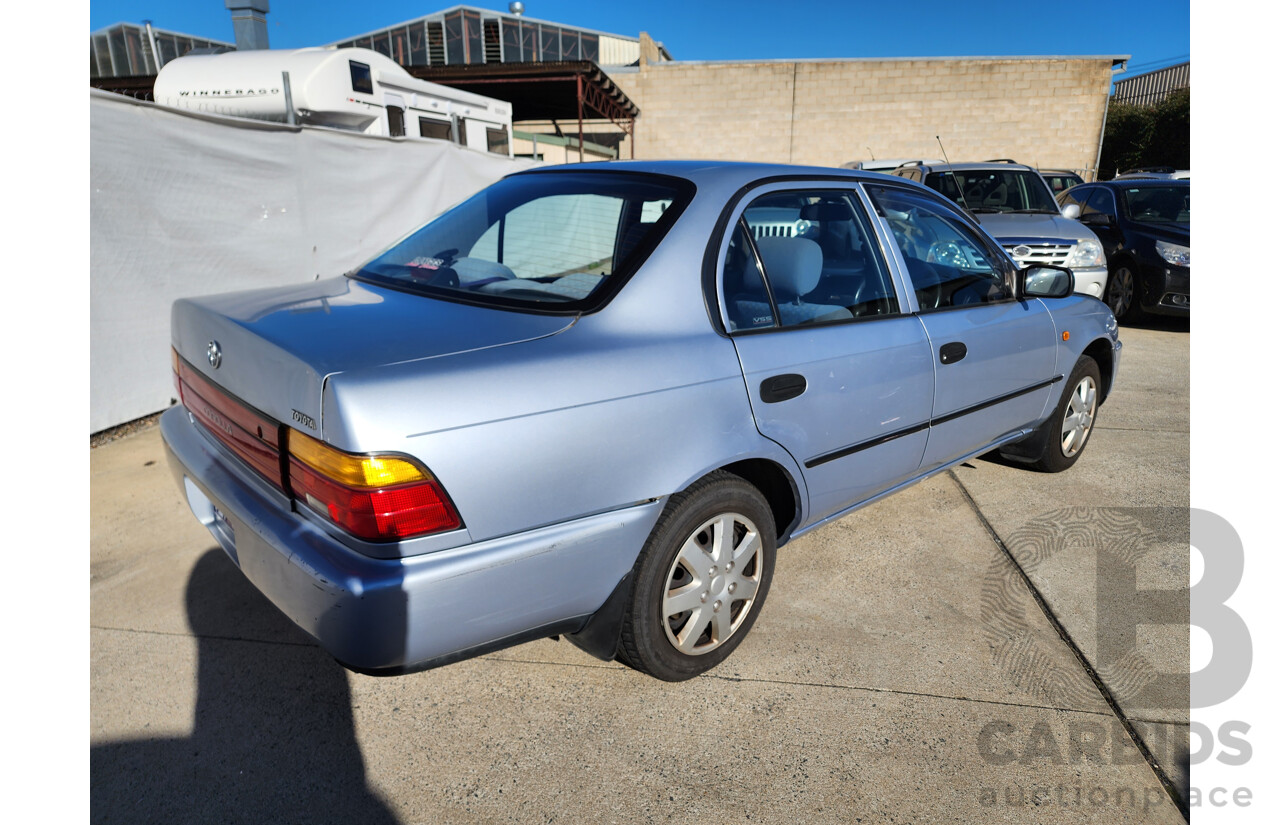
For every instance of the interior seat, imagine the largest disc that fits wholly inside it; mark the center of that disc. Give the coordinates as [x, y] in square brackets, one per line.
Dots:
[794, 267]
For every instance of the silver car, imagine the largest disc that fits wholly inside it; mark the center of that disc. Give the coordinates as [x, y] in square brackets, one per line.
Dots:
[1015, 204]
[593, 400]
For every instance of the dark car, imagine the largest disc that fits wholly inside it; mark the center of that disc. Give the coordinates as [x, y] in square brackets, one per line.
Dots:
[1145, 229]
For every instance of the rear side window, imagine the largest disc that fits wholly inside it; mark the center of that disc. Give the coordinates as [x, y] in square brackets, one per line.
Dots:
[558, 242]
[798, 258]
[948, 263]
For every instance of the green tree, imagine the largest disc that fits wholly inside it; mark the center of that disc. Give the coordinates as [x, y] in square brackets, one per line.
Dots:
[1157, 135]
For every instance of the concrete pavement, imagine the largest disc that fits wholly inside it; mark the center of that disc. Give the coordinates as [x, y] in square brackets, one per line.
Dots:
[901, 671]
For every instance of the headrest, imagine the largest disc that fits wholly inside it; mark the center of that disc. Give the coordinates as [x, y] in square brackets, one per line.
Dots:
[794, 265]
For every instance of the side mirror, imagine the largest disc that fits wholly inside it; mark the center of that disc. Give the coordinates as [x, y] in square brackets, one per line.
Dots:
[1071, 210]
[1047, 281]
[1098, 219]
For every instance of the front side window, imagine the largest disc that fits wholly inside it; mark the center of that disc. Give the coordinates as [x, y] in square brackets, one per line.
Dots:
[818, 262]
[557, 242]
[949, 265]
[994, 190]
[1075, 196]
[1100, 200]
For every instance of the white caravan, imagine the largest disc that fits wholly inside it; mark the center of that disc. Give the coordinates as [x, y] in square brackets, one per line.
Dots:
[357, 90]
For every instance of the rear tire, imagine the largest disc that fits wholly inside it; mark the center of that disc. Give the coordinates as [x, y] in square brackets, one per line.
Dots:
[697, 594]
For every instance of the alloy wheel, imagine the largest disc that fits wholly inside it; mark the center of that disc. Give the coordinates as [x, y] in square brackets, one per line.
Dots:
[1077, 423]
[1120, 291]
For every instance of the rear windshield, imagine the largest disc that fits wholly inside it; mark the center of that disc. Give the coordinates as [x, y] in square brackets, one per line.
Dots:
[553, 242]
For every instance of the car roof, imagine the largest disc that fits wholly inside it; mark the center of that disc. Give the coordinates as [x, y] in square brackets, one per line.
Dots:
[712, 171]
[975, 166]
[1131, 183]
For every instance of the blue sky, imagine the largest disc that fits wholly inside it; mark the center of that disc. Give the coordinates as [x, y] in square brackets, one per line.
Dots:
[1155, 33]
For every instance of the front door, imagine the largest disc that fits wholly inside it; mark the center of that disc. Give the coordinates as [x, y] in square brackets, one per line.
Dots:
[993, 355]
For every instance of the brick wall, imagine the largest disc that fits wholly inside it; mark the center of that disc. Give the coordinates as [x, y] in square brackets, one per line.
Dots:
[1041, 111]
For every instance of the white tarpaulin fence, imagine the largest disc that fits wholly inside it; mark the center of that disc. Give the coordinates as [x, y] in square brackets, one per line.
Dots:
[184, 204]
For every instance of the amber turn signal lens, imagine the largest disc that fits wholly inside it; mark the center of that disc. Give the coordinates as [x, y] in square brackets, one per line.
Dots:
[1066, 336]
[375, 497]
[353, 470]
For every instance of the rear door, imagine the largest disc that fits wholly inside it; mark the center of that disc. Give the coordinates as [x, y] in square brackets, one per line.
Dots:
[994, 356]
[838, 372]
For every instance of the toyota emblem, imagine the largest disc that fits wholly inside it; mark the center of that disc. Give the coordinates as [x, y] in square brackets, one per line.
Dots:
[215, 354]
[1018, 252]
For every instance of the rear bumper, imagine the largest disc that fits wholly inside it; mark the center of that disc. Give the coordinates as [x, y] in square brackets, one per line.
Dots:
[398, 614]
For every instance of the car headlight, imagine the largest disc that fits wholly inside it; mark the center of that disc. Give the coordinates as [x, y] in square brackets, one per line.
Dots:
[1087, 253]
[1174, 254]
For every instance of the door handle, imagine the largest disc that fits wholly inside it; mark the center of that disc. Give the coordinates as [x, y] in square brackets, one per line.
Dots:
[782, 387]
[952, 352]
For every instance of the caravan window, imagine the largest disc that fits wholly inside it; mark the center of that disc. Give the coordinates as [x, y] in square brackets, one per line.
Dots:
[361, 78]
[438, 129]
[497, 139]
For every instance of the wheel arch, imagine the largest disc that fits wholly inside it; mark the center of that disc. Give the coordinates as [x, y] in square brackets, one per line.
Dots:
[601, 633]
[1102, 352]
[778, 488]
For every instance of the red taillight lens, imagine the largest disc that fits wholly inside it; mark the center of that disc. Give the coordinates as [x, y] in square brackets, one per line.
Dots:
[397, 511]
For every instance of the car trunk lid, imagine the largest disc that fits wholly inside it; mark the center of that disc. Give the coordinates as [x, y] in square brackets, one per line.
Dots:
[270, 351]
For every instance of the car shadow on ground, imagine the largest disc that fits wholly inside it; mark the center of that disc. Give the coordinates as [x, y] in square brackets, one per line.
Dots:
[1163, 323]
[273, 737]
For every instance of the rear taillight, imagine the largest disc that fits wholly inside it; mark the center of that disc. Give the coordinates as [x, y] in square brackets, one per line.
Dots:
[374, 497]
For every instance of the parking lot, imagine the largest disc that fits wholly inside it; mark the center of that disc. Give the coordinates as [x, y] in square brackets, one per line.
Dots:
[901, 671]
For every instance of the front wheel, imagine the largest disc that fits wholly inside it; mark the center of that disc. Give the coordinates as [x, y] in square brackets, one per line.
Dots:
[1123, 294]
[1066, 432]
[701, 579]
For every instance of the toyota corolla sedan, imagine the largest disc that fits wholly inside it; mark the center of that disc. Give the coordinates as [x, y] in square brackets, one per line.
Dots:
[594, 400]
